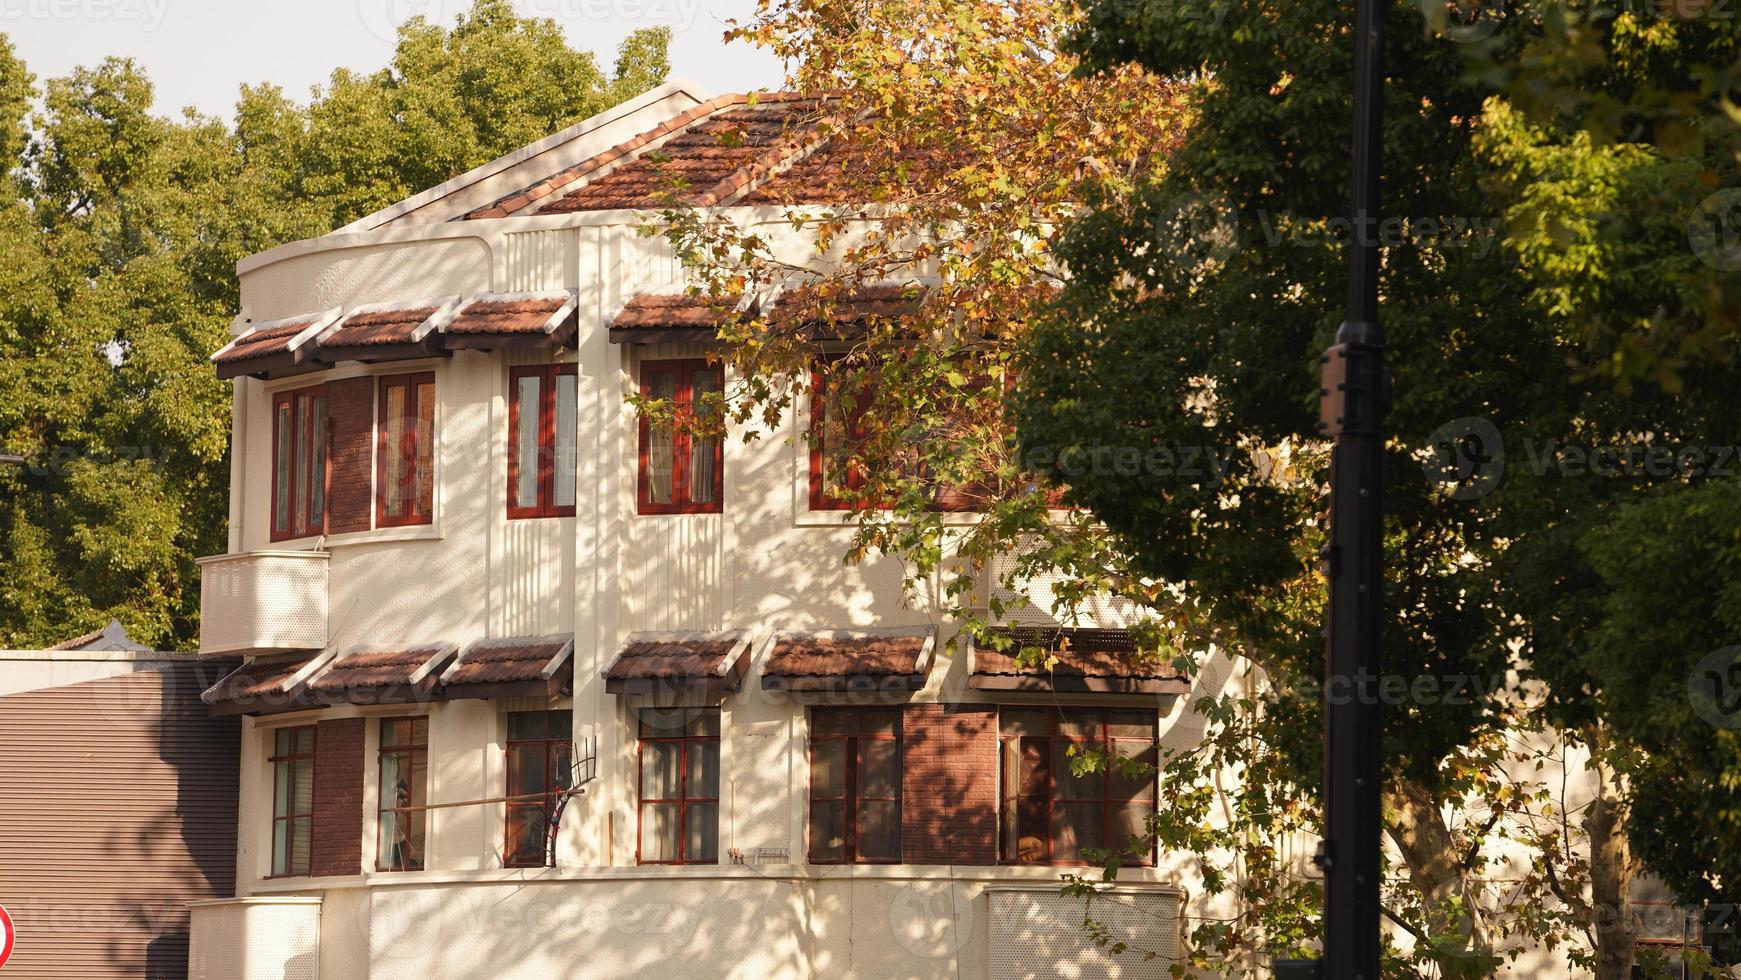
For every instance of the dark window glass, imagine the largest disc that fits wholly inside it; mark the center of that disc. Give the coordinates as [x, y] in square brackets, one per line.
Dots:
[1051, 812]
[680, 469]
[855, 785]
[679, 785]
[404, 770]
[540, 771]
[292, 762]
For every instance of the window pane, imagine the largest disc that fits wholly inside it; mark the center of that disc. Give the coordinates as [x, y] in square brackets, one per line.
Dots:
[1131, 724]
[284, 789]
[301, 831]
[566, 457]
[401, 841]
[303, 778]
[879, 771]
[280, 847]
[526, 769]
[317, 457]
[304, 437]
[1089, 785]
[702, 450]
[661, 722]
[879, 830]
[661, 441]
[703, 770]
[659, 770]
[1082, 722]
[1026, 721]
[1134, 787]
[425, 450]
[832, 721]
[701, 832]
[527, 725]
[659, 832]
[561, 724]
[393, 456]
[281, 468]
[304, 740]
[525, 487]
[828, 768]
[1128, 820]
[703, 721]
[879, 722]
[1074, 827]
[827, 831]
[284, 741]
[561, 765]
[526, 834]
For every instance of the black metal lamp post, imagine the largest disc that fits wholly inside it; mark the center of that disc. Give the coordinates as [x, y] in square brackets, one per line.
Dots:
[1352, 406]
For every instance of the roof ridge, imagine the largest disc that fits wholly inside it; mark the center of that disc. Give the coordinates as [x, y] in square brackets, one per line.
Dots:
[510, 203]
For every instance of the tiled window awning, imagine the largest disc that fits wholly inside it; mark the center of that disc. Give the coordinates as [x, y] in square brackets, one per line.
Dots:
[683, 662]
[1094, 661]
[671, 315]
[273, 347]
[401, 674]
[896, 659]
[511, 667]
[401, 331]
[267, 685]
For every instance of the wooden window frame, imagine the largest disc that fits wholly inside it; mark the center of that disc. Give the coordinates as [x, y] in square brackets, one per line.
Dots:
[683, 371]
[554, 787]
[852, 798]
[947, 500]
[1106, 799]
[302, 524]
[274, 761]
[415, 514]
[683, 800]
[410, 751]
[546, 505]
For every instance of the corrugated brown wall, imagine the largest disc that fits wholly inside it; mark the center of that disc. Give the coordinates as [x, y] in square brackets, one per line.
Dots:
[949, 790]
[337, 847]
[117, 807]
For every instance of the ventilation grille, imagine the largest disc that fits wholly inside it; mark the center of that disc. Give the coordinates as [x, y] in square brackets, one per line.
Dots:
[1103, 612]
[254, 939]
[1037, 934]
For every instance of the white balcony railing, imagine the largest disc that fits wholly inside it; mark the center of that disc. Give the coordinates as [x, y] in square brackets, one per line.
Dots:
[260, 601]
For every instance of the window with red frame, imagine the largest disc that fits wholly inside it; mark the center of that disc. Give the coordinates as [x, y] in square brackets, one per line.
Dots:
[299, 463]
[840, 400]
[404, 777]
[681, 472]
[540, 770]
[541, 440]
[855, 785]
[1050, 814]
[405, 454]
[679, 786]
[292, 763]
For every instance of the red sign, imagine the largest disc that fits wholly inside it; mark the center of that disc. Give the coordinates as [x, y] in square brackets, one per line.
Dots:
[8, 936]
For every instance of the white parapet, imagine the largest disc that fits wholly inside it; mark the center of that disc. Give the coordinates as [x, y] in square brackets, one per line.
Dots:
[255, 939]
[259, 601]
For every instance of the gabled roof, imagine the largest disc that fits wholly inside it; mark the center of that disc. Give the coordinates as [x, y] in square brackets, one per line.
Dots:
[759, 148]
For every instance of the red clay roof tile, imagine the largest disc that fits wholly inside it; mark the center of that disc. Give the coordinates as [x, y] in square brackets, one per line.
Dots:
[261, 343]
[828, 655]
[488, 314]
[373, 327]
[1080, 652]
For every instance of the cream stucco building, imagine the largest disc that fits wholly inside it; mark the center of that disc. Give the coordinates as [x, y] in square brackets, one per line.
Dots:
[468, 580]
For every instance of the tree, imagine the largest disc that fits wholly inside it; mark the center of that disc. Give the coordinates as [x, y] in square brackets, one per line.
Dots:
[122, 229]
[1540, 298]
[970, 133]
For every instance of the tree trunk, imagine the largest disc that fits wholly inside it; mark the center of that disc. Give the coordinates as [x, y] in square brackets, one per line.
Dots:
[1417, 827]
[1612, 867]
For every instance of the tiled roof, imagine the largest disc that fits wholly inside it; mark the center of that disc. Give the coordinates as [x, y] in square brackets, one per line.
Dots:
[707, 660]
[368, 676]
[1087, 659]
[264, 685]
[844, 654]
[529, 663]
[371, 327]
[886, 301]
[487, 313]
[263, 342]
[703, 157]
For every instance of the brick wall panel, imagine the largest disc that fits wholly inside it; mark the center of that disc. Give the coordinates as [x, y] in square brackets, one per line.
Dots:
[949, 787]
[337, 846]
[350, 496]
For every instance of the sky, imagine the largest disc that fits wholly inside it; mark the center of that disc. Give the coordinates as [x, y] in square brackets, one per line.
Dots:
[200, 52]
